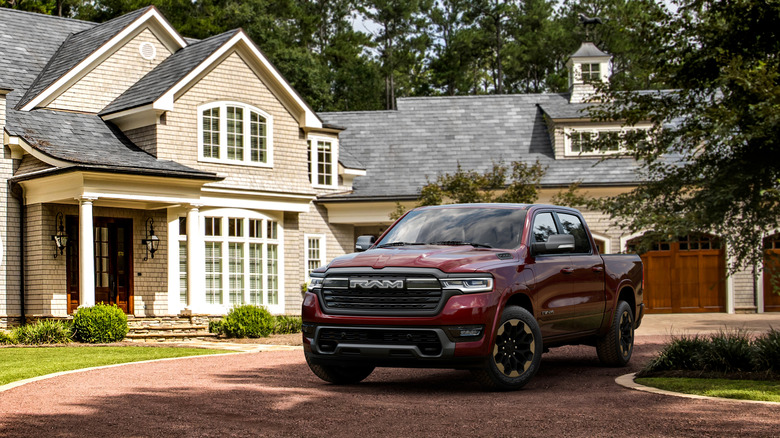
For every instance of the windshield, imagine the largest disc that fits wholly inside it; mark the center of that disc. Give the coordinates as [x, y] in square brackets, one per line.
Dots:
[481, 227]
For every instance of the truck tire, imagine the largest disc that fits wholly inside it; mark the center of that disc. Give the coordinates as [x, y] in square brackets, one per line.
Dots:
[615, 348]
[516, 352]
[340, 375]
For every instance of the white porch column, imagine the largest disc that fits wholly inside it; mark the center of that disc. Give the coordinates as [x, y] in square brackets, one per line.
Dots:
[196, 262]
[86, 253]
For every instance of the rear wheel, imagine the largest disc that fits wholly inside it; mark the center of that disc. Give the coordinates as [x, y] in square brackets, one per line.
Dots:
[615, 348]
[340, 375]
[516, 352]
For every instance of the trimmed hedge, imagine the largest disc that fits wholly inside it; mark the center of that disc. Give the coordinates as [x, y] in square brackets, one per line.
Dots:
[100, 324]
[248, 321]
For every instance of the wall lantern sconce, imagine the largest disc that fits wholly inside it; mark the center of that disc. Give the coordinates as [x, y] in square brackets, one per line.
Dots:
[152, 242]
[60, 239]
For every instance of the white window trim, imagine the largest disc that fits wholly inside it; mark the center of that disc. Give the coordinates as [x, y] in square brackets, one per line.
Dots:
[568, 132]
[222, 105]
[333, 161]
[323, 255]
[245, 215]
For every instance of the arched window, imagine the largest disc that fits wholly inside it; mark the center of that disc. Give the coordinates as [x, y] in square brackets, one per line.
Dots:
[235, 133]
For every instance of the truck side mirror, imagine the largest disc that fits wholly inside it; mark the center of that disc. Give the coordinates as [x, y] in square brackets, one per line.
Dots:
[556, 244]
[364, 242]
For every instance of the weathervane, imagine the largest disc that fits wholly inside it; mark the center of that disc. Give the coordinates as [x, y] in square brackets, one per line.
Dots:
[588, 23]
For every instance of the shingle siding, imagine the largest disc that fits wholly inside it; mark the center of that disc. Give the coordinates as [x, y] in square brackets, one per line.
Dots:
[112, 77]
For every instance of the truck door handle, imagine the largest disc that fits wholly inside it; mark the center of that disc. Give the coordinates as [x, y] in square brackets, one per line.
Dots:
[567, 270]
[598, 269]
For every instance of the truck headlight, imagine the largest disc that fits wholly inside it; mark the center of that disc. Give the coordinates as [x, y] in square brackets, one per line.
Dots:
[468, 285]
[315, 283]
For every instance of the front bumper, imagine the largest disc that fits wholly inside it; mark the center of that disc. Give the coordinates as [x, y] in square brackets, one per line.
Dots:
[455, 337]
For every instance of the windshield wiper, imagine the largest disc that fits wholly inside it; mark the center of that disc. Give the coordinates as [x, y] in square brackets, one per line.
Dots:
[385, 245]
[459, 242]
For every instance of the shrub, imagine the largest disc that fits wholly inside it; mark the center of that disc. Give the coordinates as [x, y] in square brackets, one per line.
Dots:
[767, 352]
[45, 331]
[729, 352]
[248, 321]
[286, 324]
[100, 324]
[215, 326]
[6, 338]
[682, 353]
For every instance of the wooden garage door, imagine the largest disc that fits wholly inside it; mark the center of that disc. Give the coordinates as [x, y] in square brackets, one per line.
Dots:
[772, 273]
[688, 275]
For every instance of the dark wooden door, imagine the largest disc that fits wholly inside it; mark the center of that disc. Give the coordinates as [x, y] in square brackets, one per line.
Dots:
[772, 273]
[113, 264]
[688, 275]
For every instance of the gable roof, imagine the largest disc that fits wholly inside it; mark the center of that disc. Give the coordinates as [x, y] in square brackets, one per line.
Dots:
[172, 70]
[75, 55]
[405, 149]
[23, 57]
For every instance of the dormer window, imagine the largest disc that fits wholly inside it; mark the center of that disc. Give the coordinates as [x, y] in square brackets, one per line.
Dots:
[595, 142]
[322, 162]
[235, 133]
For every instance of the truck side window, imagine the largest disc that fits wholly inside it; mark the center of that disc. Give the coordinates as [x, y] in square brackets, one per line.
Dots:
[544, 227]
[573, 225]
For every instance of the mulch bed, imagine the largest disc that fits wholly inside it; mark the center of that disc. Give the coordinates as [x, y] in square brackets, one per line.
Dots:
[697, 374]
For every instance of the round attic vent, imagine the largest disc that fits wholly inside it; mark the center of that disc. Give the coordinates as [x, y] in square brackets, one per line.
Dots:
[148, 51]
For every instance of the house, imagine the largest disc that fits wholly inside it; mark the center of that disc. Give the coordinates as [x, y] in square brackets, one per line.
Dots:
[403, 150]
[172, 176]
[162, 174]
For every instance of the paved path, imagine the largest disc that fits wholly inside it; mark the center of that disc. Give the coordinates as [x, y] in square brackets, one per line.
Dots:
[272, 393]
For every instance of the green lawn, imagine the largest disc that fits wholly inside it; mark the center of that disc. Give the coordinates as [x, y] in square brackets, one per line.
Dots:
[24, 363]
[738, 389]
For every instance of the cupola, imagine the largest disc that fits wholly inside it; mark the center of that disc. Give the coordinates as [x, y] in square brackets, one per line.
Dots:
[587, 66]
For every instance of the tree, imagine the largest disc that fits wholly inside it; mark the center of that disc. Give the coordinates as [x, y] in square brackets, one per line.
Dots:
[712, 157]
[400, 40]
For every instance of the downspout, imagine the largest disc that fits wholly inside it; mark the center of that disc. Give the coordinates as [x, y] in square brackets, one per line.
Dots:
[18, 193]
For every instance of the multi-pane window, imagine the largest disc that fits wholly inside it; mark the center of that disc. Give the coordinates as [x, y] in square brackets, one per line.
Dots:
[210, 133]
[321, 166]
[183, 260]
[607, 141]
[236, 133]
[315, 253]
[248, 250]
[591, 72]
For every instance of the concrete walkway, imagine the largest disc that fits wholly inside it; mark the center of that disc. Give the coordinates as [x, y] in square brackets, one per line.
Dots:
[706, 323]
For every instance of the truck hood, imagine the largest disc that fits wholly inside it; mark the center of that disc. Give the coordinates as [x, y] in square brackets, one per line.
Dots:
[447, 259]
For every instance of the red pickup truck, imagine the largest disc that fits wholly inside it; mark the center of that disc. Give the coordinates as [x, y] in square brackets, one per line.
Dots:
[486, 287]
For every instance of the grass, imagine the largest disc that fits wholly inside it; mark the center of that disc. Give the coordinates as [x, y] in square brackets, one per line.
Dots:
[737, 389]
[24, 363]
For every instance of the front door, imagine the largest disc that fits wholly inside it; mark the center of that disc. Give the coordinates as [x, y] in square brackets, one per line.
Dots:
[113, 263]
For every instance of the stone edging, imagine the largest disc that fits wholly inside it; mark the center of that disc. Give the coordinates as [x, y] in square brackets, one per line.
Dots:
[627, 381]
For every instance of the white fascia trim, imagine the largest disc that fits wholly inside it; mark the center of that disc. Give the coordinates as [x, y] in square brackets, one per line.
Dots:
[109, 46]
[298, 196]
[19, 142]
[127, 112]
[165, 102]
[348, 171]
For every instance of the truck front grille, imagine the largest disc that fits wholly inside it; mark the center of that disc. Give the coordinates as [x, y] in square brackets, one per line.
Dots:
[376, 295]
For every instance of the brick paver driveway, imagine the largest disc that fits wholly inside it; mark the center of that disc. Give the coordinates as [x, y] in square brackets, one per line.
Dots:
[273, 393]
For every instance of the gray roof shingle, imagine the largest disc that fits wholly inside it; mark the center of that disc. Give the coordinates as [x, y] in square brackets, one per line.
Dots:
[155, 83]
[86, 140]
[403, 150]
[76, 48]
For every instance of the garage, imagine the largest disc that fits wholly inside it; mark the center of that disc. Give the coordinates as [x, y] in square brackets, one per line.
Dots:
[771, 273]
[684, 276]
